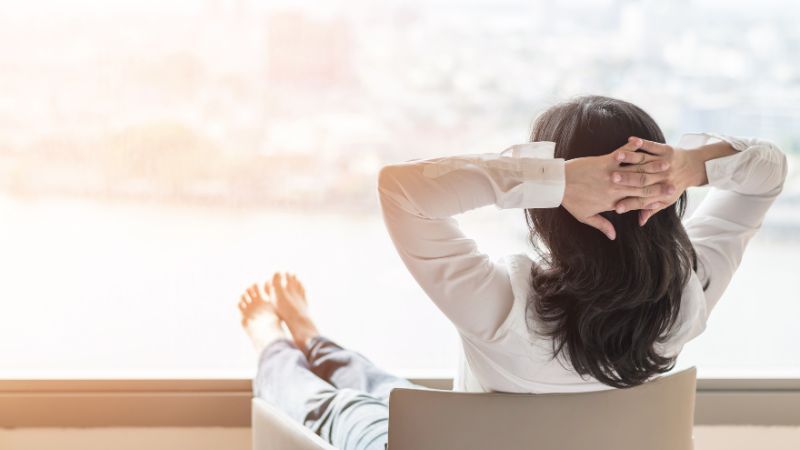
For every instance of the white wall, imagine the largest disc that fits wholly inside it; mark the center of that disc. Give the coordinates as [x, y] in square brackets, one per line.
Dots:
[125, 439]
[706, 438]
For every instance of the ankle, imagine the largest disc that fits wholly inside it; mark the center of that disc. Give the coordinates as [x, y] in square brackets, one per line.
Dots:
[304, 338]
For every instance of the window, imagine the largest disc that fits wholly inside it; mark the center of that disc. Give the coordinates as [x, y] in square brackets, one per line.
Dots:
[157, 157]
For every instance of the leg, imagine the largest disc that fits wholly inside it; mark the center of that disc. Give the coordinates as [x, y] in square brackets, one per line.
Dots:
[283, 377]
[344, 369]
[349, 419]
[346, 418]
[348, 369]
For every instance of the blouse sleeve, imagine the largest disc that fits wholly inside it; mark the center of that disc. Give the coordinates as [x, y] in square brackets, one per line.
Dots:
[419, 199]
[743, 187]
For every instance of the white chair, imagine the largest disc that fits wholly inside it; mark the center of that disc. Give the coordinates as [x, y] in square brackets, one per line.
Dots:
[656, 415]
[273, 430]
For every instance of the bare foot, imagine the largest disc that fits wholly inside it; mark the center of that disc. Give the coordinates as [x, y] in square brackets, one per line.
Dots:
[292, 307]
[259, 318]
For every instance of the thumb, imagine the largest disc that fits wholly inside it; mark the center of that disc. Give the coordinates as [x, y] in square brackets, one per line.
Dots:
[645, 215]
[602, 224]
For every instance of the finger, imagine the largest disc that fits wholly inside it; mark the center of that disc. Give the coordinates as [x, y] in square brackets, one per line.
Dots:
[602, 224]
[654, 166]
[633, 203]
[638, 179]
[653, 190]
[622, 156]
[655, 148]
[633, 144]
[656, 206]
[650, 214]
[629, 204]
[645, 215]
[630, 147]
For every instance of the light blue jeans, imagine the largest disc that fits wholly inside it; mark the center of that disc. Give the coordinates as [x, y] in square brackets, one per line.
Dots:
[337, 393]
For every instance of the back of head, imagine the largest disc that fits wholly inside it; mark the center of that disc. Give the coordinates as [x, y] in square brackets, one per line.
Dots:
[606, 303]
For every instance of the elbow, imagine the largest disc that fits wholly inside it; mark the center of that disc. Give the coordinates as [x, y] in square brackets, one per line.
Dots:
[781, 162]
[394, 183]
[386, 175]
[389, 178]
[775, 163]
[784, 167]
[389, 188]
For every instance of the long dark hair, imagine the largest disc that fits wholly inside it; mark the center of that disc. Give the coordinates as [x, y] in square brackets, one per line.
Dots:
[605, 303]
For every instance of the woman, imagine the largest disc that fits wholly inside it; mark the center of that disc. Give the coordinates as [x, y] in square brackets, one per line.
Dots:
[620, 287]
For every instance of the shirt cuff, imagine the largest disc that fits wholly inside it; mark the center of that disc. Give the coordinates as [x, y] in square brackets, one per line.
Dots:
[719, 170]
[544, 182]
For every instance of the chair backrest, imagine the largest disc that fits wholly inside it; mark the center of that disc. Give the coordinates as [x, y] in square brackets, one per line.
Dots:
[656, 415]
[274, 430]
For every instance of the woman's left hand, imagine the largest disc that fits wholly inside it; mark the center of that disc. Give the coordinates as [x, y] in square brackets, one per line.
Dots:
[676, 164]
[590, 189]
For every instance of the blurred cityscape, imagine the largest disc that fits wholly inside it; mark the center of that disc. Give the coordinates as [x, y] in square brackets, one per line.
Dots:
[298, 104]
[156, 157]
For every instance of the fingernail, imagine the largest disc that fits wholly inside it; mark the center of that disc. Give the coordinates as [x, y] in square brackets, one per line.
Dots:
[671, 190]
[664, 166]
[620, 156]
[616, 177]
[620, 209]
[639, 142]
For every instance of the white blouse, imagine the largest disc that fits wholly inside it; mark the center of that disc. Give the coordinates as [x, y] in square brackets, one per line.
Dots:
[486, 299]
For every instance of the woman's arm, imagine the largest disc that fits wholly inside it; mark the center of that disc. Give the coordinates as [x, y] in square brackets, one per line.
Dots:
[746, 176]
[418, 204]
[419, 199]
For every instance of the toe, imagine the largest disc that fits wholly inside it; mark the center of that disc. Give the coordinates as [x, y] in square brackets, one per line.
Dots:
[253, 292]
[277, 286]
[295, 285]
[295, 282]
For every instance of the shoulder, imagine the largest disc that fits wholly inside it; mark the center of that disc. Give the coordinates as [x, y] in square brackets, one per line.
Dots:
[519, 271]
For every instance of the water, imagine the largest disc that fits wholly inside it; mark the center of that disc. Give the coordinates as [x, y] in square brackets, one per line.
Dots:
[122, 290]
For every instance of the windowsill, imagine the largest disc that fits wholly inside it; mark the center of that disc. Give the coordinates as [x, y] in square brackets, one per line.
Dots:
[225, 402]
[746, 377]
